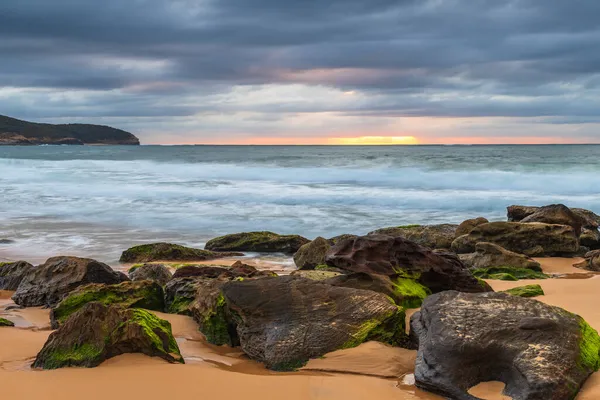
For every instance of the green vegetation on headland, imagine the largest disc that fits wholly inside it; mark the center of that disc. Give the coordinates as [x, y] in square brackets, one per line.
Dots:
[18, 132]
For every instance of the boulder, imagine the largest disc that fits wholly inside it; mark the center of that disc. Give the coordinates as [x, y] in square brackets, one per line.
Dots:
[312, 254]
[170, 252]
[538, 351]
[262, 242]
[396, 256]
[97, 332]
[508, 273]
[432, 236]
[467, 226]
[5, 322]
[237, 270]
[526, 291]
[491, 255]
[591, 262]
[336, 239]
[405, 292]
[285, 321]
[589, 219]
[532, 239]
[158, 273]
[47, 284]
[6, 241]
[557, 214]
[11, 274]
[141, 294]
[590, 238]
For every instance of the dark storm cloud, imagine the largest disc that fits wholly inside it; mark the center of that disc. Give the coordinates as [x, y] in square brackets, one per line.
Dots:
[453, 58]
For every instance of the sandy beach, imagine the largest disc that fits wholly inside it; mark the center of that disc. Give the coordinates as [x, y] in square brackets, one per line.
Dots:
[372, 370]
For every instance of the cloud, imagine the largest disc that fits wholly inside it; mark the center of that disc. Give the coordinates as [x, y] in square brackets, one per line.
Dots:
[209, 69]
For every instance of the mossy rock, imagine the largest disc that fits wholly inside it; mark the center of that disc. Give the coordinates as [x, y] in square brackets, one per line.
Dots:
[5, 322]
[169, 252]
[589, 346]
[262, 242]
[508, 273]
[526, 291]
[97, 332]
[141, 294]
[410, 292]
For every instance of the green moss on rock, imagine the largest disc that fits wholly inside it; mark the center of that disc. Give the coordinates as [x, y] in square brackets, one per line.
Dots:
[5, 322]
[214, 324]
[589, 346]
[263, 241]
[143, 294]
[168, 252]
[391, 329]
[508, 273]
[152, 325]
[526, 291]
[410, 291]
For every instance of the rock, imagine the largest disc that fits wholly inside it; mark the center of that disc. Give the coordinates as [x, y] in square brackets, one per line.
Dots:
[169, 252]
[285, 321]
[262, 242]
[312, 254]
[589, 219]
[538, 351]
[158, 273]
[526, 291]
[5, 322]
[6, 241]
[11, 274]
[491, 255]
[517, 213]
[393, 256]
[467, 226]
[432, 236]
[237, 270]
[591, 262]
[557, 214]
[336, 239]
[47, 284]
[531, 239]
[590, 238]
[508, 273]
[141, 294]
[405, 292]
[96, 333]
[315, 275]
[201, 298]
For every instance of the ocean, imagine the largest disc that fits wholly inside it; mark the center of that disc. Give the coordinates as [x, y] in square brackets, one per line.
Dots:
[97, 201]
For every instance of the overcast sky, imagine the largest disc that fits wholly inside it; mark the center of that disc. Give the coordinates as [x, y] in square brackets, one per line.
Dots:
[305, 71]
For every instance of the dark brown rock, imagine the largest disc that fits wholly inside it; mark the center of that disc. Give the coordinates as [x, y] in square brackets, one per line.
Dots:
[538, 351]
[591, 262]
[531, 239]
[491, 255]
[312, 254]
[47, 284]
[96, 333]
[170, 252]
[158, 273]
[285, 321]
[468, 225]
[387, 255]
[262, 242]
[557, 214]
[11, 274]
[432, 236]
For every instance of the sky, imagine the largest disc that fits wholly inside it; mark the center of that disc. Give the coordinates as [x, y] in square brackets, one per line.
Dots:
[308, 71]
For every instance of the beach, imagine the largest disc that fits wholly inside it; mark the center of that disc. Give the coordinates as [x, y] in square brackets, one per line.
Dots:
[372, 370]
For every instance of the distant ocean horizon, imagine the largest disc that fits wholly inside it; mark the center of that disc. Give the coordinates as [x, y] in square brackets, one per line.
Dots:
[98, 200]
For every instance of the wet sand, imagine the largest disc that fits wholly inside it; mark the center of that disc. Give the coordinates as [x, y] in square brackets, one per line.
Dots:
[369, 371]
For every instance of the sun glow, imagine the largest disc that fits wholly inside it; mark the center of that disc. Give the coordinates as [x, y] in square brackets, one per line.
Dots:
[375, 140]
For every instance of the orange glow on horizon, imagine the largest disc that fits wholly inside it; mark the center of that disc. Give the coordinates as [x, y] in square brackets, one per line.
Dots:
[374, 140]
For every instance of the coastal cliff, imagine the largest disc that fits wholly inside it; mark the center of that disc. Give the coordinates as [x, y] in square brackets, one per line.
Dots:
[22, 133]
